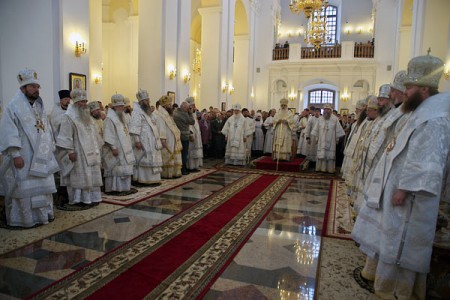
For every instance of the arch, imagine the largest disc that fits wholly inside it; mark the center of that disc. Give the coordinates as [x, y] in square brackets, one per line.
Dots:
[320, 86]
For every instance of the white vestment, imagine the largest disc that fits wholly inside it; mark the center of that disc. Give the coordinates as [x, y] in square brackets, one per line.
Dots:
[195, 154]
[235, 130]
[249, 139]
[349, 151]
[402, 236]
[171, 155]
[268, 139]
[55, 118]
[282, 135]
[258, 141]
[302, 143]
[83, 177]
[327, 132]
[26, 132]
[118, 169]
[310, 149]
[143, 129]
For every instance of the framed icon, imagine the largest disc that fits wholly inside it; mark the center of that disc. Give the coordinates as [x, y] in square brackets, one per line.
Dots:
[77, 81]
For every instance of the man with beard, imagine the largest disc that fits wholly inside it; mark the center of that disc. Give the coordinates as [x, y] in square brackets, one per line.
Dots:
[236, 132]
[397, 221]
[146, 142]
[195, 154]
[170, 140]
[183, 117]
[310, 149]
[127, 110]
[398, 88]
[282, 133]
[59, 110]
[79, 153]
[250, 123]
[327, 131]
[353, 137]
[302, 122]
[118, 156]
[95, 111]
[28, 165]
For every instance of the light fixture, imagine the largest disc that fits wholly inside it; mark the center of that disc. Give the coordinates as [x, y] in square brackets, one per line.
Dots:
[359, 30]
[317, 30]
[197, 61]
[172, 72]
[80, 48]
[345, 96]
[446, 72]
[224, 87]
[307, 6]
[186, 76]
[348, 28]
[230, 88]
[292, 96]
[97, 78]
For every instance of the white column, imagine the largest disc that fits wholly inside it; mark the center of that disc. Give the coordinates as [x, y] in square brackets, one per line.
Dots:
[418, 14]
[183, 44]
[95, 49]
[210, 93]
[226, 48]
[151, 71]
[170, 41]
[240, 71]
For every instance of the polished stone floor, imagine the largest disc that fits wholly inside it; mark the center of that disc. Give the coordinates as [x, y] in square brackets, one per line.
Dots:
[279, 261]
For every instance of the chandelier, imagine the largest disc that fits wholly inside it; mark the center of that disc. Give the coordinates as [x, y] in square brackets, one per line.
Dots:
[307, 6]
[316, 33]
[197, 61]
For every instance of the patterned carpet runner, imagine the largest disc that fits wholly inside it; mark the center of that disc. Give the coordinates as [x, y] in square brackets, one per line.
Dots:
[267, 163]
[338, 222]
[180, 258]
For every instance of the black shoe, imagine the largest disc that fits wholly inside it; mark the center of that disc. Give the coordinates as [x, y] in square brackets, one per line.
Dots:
[184, 173]
[193, 170]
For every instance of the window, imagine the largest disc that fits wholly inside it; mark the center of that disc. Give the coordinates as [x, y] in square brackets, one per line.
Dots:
[330, 14]
[320, 97]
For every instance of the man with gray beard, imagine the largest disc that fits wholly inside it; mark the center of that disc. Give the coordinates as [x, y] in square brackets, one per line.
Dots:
[328, 130]
[79, 154]
[146, 142]
[118, 156]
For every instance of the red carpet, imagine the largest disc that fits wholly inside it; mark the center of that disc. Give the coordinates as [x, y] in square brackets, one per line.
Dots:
[181, 257]
[266, 163]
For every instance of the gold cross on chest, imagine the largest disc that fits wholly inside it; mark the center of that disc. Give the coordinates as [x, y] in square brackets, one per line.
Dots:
[40, 125]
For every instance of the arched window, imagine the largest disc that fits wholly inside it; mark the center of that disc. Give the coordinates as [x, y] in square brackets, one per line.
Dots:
[330, 13]
[319, 97]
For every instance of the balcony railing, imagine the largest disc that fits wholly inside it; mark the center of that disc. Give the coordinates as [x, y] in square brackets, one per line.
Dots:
[364, 50]
[323, 52]
[280, 53]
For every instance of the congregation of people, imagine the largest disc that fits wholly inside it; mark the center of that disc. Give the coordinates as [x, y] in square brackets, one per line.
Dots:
[392, 153]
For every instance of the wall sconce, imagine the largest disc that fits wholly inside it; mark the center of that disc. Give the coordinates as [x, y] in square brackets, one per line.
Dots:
[172, 72]
[230, 88]
[80, 48]
[224, 87]
[345, 96]
[446, 72]
[292, 96]
[186, 76]
[347, 28]
[359, 30]
[97, 78]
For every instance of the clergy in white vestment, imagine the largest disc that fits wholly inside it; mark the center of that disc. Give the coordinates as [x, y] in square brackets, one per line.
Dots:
[283, 123]
[310, 149]
[250, 123]
[258, 141]
[268, 138]
[352, 139]
[118, 156]
[170, 139]
[302, 122]
[397, 222]
[328, 130]
[28, 165]
[59, 110]
[195, 153]
[78, 153]
[235, 131]
[94, 108]
[146, 142]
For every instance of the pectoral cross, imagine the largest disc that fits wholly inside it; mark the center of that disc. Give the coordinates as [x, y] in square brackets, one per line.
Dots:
[40, 125]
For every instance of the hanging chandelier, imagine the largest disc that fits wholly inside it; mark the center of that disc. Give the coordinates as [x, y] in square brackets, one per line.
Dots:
[197, 62]
[307, 6]
[316, 33]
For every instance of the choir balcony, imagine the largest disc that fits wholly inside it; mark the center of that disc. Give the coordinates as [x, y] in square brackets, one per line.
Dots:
[346, 50]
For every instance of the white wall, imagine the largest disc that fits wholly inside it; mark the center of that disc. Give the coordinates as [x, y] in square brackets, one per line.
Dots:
[95, 49]
[240, 71]
[29, 41]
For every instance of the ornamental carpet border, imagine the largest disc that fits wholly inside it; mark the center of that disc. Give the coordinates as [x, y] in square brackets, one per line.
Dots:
[181, 257]
[338, 221]
[251, 170]
[146, 192]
